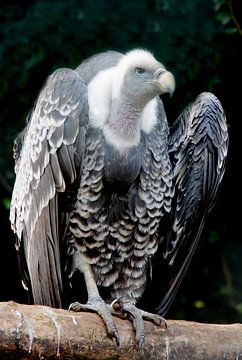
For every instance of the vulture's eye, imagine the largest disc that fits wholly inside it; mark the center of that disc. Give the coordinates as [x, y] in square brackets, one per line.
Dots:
[140, 71]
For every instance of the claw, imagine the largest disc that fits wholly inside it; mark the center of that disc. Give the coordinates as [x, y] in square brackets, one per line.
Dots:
[75, 306]
[156, 319]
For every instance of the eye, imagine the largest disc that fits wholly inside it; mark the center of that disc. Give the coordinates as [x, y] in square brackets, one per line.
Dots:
[140, 71]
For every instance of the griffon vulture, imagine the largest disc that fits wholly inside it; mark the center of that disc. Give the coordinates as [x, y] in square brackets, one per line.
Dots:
[106, 188]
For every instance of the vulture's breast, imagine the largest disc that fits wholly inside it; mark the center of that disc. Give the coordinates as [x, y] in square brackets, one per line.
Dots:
[122, 166]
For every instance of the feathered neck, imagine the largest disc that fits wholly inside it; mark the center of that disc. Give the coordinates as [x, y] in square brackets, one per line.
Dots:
[124, 121]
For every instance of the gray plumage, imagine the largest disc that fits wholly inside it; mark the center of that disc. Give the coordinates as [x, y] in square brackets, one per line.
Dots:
[103, 183]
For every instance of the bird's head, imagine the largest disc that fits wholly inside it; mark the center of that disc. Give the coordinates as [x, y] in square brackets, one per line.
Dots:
[140, 77]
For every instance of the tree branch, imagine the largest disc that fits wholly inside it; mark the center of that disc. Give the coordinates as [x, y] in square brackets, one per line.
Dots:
[233, 17]
[40, 332]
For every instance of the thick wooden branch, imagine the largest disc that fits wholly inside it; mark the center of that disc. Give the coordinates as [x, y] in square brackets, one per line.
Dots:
[40, 332]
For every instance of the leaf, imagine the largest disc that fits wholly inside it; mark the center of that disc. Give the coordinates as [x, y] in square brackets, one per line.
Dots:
[223, 17]
[213, 237]
[239, 308]
[219, 3]
[231, 31]
[6, 203]
[199, 304]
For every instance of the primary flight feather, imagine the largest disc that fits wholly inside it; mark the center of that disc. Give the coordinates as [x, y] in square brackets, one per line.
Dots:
[104, 187]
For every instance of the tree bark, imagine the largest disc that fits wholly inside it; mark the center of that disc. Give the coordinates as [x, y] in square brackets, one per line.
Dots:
[40, 332]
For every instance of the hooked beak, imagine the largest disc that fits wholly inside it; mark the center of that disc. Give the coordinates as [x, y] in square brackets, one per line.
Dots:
[166, 81]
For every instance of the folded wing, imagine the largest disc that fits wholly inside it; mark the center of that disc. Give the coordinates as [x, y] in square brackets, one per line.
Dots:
[198, 146]
[48, 156]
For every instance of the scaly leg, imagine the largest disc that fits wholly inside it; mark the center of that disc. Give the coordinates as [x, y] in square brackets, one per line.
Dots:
[95, 303]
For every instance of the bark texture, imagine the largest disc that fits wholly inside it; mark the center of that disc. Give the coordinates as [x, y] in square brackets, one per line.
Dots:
[40, 332]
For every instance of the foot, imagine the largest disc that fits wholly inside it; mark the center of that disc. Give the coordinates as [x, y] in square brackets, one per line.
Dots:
[103, 310]
[136, 316]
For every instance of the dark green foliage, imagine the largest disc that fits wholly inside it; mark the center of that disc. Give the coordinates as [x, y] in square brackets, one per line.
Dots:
[40, 37]
[199, 40]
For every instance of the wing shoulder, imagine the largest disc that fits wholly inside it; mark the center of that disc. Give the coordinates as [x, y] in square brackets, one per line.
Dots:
[198, 147]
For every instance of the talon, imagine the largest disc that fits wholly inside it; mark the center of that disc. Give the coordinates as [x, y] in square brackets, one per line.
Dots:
[117, 305]
[156, 319]
[159, 322]
[116, 338]
[164, 322]
[140, 342]
[75, 306]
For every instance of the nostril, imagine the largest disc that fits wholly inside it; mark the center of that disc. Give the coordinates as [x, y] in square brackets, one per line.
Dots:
[160, 72]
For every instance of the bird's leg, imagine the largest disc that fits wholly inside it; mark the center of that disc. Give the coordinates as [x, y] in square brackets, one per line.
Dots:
[96, 304]
[136, 315]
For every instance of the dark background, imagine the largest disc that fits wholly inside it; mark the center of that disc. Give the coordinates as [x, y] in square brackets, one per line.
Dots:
[200, 41]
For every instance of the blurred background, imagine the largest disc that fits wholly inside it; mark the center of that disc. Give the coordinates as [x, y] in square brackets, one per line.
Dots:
[200, 41]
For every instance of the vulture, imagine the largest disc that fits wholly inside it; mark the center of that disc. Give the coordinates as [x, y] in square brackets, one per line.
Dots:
[107, 189]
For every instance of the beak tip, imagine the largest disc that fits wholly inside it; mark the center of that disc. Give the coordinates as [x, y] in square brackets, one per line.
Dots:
[167, 83]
